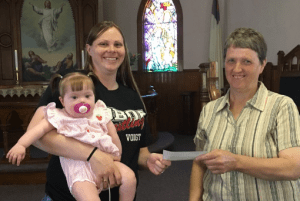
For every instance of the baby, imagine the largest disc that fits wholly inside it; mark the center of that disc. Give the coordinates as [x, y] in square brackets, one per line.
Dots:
[86, 121]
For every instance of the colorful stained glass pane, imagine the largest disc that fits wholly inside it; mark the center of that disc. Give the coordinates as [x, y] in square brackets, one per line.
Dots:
[160, 36]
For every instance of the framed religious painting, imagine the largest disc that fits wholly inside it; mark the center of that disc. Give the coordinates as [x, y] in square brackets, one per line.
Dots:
[48, 39]
[40, 37]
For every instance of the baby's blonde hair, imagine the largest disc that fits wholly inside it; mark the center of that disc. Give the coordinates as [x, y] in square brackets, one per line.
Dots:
[76, 80]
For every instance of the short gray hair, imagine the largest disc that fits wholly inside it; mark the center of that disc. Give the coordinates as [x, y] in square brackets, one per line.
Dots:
[247, 38]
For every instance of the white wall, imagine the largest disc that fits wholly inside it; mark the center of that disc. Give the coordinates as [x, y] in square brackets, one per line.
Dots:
[277, 20]
[124, 14]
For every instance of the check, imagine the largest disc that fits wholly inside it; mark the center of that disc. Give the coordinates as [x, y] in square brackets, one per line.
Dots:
[181, 155]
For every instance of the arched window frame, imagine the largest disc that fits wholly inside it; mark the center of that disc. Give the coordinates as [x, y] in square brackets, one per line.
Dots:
[140, 34]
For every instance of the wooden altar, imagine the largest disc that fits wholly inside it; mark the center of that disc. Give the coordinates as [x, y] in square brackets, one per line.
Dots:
[17, 106]
[18, 99]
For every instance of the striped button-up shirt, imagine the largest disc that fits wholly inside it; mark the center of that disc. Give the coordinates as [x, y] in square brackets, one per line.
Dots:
[267, 124]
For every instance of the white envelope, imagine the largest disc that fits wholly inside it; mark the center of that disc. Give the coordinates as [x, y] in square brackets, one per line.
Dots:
[181, 155]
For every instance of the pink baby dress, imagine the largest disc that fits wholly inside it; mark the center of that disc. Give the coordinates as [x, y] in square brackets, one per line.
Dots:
[91, 131]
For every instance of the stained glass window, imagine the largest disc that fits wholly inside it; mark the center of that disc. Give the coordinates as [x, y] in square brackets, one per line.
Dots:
[160, 36]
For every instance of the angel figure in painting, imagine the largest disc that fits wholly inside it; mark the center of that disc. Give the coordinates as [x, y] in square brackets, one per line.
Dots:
[48, 23]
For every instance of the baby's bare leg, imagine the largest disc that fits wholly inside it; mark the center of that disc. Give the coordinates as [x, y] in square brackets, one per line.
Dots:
[85, 191]
[128, 185]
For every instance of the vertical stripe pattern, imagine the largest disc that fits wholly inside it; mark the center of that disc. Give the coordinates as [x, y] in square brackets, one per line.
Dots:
[268, 124]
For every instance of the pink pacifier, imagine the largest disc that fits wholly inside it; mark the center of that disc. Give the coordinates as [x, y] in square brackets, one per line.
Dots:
[82, 108]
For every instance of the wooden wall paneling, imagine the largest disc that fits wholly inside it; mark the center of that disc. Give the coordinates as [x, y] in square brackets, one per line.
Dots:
[163, 106]
[168, 106]
[17, 39]
[188, 90]
[277, 71]
[203, 96]
[85, 13]
[90, 16]
[266, 76]
[7, 35]
[193, 83]
[77, 13]
[170, 86]
[89, 13]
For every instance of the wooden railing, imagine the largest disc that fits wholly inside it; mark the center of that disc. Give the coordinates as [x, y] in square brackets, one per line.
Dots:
[150, 100]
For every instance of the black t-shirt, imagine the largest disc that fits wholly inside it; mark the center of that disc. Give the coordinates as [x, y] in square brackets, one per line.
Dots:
[128, 116]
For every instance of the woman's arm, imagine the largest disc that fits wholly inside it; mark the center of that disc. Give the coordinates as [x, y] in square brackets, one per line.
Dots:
[114, 136]
[143, 157]
[56, 144]
[196, 181]
[153, 161]
[285, 167]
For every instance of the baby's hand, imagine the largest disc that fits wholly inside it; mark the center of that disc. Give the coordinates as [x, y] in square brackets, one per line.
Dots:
[16, 154]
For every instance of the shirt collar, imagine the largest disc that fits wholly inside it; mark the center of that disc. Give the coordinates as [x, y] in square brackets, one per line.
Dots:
[258, 101]
[260, 98]
[224, 103]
